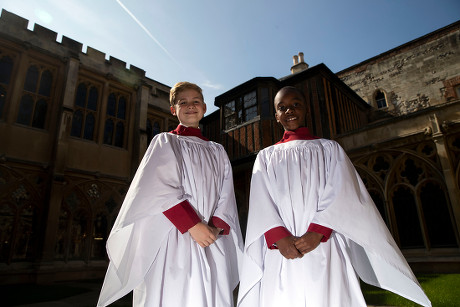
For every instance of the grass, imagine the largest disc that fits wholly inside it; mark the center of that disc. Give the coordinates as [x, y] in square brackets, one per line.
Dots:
[441, 289]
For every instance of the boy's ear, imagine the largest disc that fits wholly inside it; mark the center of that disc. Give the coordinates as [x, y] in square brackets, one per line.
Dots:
[277, 118]
[173, 111]
[204, 107]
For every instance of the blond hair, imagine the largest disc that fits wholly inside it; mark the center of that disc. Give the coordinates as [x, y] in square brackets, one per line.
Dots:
[182, 86]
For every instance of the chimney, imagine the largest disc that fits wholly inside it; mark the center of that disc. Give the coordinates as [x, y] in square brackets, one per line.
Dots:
[299, 64]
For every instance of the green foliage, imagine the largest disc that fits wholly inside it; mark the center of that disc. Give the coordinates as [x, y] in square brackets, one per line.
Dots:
[441, 289]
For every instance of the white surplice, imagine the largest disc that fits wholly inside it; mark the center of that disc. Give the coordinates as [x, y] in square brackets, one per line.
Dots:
[313, 181]
[148, 254]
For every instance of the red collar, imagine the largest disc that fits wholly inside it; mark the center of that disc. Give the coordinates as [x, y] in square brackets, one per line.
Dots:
[301, 133]
[188, 131]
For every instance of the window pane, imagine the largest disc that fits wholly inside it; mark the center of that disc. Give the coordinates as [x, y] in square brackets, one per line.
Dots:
[149, 131]
[380, 100]
[45, 83]
[25, 110]
[409, 230]
[6, 66]
[77, 121]
[2, 100]
[250, 99]
[121, 108]
[92, 99]
[89, 126]
[119, 134]
[108, 132]
[111, 105]
[80, 98]
[251, 113]
[31, 79]
[230, 122]
[78, 235]
[99, 237]
[437, 216]
[40, 114]
[229, 108]
[156, 128]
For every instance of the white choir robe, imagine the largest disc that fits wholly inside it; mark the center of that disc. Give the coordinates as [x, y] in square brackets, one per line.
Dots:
[313, 181]
[148, 254]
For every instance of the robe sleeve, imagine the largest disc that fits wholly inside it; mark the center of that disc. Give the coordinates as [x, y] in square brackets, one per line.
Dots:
[183, 216]
[274, 235]
[325, 231]
[218, 223]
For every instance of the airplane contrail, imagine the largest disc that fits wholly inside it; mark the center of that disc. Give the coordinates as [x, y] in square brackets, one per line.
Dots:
[148, 32]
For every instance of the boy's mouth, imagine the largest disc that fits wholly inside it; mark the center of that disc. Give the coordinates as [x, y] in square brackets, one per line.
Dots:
[291, 119]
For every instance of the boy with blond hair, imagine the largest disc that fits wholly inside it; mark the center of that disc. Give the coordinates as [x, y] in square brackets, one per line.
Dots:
[313, 230]
[177, 239]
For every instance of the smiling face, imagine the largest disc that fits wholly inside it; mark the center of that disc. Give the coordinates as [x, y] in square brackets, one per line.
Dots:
[189, 107]
[290, 108]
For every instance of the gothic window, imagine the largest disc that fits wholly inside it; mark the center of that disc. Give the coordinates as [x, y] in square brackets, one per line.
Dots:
[85, 112]
[153, 128]
[421, 206]
[62, 244]
[240, 110]
[6, 68]
[36, 97]
[380, 100]
[115, 123]
[407, 219]
[79, 235]
[100, 232]
[437, 216]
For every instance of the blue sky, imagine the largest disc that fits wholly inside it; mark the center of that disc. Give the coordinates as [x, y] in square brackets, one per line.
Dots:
[220, 44]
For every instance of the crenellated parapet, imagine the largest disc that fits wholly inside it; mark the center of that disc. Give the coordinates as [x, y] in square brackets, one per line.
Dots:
[15, 28]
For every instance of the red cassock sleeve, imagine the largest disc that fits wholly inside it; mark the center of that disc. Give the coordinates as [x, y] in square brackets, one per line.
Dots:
[326, 232]
[273, 235]
[219, 223]
[183, 216]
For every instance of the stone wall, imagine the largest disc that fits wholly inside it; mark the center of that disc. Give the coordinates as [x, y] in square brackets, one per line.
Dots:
[412, 76]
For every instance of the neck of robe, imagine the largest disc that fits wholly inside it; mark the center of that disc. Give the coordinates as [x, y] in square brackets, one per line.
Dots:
[188, 131]
[301, 133]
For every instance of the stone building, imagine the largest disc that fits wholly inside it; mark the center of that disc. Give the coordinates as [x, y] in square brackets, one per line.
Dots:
[398, 117]
[73, 128]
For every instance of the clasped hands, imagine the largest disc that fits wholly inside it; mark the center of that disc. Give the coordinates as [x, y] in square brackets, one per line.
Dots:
[204, 234]
[295, 247]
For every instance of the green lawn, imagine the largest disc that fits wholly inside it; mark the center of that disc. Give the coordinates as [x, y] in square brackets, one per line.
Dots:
[441, 289]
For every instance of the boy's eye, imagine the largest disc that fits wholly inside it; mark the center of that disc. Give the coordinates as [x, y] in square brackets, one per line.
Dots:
[282, 108]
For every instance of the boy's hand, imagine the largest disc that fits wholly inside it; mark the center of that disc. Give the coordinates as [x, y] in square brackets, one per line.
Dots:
[308, 242]
[287, 248]
[203, 234]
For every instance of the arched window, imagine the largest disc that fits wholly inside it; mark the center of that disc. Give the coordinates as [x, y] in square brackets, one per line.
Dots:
[85, 114]
[115, 123]
[437, 216]
[36, 97]
[380, 100]
[6, 68]
[407, 219]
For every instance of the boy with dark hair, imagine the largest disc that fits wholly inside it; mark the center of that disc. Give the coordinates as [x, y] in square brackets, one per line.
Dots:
[177, 239]
[312, 226]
